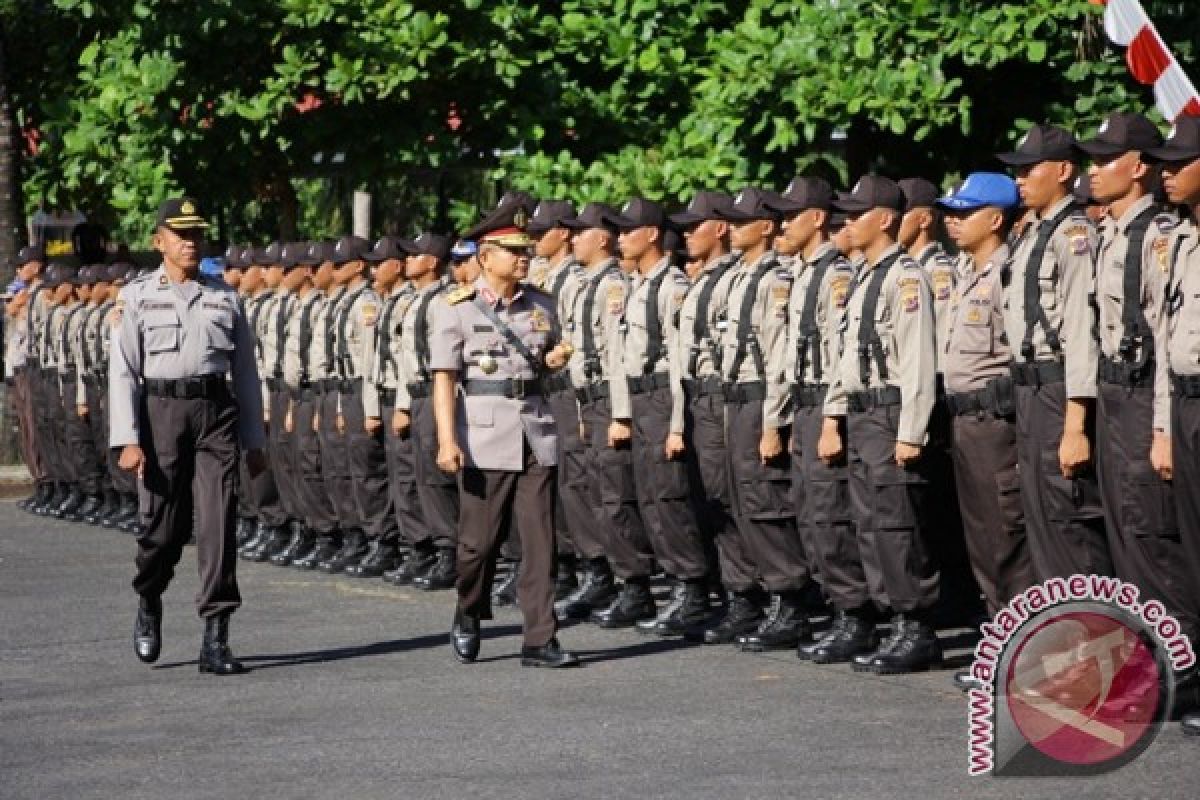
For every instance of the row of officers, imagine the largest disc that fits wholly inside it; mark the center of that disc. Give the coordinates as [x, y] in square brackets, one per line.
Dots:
[817, 402]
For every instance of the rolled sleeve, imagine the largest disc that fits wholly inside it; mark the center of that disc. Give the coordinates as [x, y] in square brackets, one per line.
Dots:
[445, 337]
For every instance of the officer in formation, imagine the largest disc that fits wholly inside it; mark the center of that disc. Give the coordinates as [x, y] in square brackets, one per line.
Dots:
[773, 422]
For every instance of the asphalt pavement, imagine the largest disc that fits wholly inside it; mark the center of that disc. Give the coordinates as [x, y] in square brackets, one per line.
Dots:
[354, 694]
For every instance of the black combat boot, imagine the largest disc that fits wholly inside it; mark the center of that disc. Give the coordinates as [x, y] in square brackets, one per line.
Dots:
[784, 627]
[419, 561]
[109, 500]
[147, 630]
[597, 591]
[634, 603]
[88, 508]
[852, 633]
[381, 557]
[325, 547]
[354, 546]
[272, 545]
[862, 661]
[52, 499]
[672, 606]
[301, 540]
[915, 649]
[245, 531]
[261, 533]
[120, 511]
[742, 615]
[72, 501]
[565, 580]
[442, 575]
[215, 655]
[504, 590]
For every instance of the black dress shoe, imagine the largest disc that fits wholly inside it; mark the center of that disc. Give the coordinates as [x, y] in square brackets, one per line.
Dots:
[380, 557]
[915, 650]
[464, 637]
[634, 603]
[215, 655]
[850, 635]
[442, 575]
[549, 655]
[504, 590]
[325, 548]
[743, 615]
[598, 590]
[147, 630]
[785, 626]
[417, 564]
[354, 546]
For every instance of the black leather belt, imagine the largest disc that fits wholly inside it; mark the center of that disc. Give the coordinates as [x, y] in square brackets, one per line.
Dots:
[95, 381]
[512, 388]
[327, 385]
[558, 382]
[743, 393]
[704, 387]
[1121, 373]
[1036, 373]
[69, 375]
[307, 390]
[418, 391]
[387, 397]
[808, 395]
[590, 394]
[873, 398]
[641, 384]
[188, 388]
[273, 384]
[350, 386]
[996, 398]
[1185, 385]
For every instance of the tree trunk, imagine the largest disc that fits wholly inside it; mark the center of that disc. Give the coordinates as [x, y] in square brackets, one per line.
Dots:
[10, 229]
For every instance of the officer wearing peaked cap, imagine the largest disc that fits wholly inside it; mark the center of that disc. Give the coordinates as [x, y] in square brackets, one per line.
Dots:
[179, 427]
[495, 341]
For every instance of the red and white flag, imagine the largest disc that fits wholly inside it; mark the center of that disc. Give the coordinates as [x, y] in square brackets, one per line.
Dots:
[1149, 59]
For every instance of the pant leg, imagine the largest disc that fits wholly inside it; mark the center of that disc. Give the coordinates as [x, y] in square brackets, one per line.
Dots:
[574, 497]
[279, 448]
[438, 491]
[533, 512]
[821, 495]
[985, 471]
[942, 518]
[315, 507]
[368, 472]
[23, 397]
[614, 500]
[402, 485]
[487, 498]
[763, 503]
[216, 456]
[165, 491]
[1185, 438]
[333, 455]
[97, 434]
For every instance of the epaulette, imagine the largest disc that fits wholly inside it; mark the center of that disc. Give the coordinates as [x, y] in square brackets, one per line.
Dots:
[1166, 222]
[784, 274]
[456, 296]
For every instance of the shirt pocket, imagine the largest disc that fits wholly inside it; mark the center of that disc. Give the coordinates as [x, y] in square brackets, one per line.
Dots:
[976, 331]
[219, 326]
[162, 330]
[1048, 280]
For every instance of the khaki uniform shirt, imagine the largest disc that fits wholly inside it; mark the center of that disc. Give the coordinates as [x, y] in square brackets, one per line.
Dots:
[551, 277]
[606, 312]
[768, 327]
[905, 326]
[322, 358]
[943, 275]
[832, 295]
[38, 309]
[258, 308]
[699, 347]
[354, 333]
[299, 335]
[1184, 298]
[1110, 294]
[631, 339]
[977, 347]
[492, 430]
[1066, 278]
[386, 347]
[416, 322]
[164, 330]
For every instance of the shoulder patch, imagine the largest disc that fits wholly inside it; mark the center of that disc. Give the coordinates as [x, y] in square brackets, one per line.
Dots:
[1161, 253]
[910, 299]
[370, 313]
[456, 296]
[615, 297]
[905, 283]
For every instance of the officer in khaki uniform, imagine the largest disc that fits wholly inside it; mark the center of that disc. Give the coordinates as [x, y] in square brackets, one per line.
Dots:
[92, 457]
[646, 344]
[1181, 180]
[493, 342]
[433, 564]
[78, 446]
[597, 307]
[885, 381]
[702, 318]
[1051, 329]
[823, 277]
[1133, 409]
[29, 264]
[177, 335]
[124, 513]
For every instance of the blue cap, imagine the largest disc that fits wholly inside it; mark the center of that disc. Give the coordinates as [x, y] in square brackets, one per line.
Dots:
[212, 267]
[983, 189]
[463, 249]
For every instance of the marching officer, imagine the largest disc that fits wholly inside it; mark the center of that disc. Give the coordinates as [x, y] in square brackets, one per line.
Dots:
[885, 384]
[177, 335]
[495, 340]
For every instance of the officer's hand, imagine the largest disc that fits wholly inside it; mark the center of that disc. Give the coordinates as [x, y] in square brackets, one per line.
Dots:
[770, 445]
[400, 422]
[829, 446]
[907, 453]
[316, 422]
[1074, 452]
[289, 422]
[266, 424]
[675, 447]
[132, 459]
[256, 461]
[372, 425]
[81, 410]
[1160, 455]
[619, 434]
[558, 357]
[450, 458]
[341, 424]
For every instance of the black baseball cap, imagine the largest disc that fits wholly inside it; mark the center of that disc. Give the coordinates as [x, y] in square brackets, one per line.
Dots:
[429, 244]
[120, 272]
[272, 255]
[753, 203]
[1183, 142]
[548, 215]
[704, 206]
[88, 275]
[350, 248]
[804, 193]
[641, 213]
[181, 214]
[59, 273]
[595, 215]
[33, 252]
[1042, 143]
[388, 247]
[292, 255]
[233, 257]
[318, 253]
[1120, 133]
[918, 193]
[515, 197]
[871, 191]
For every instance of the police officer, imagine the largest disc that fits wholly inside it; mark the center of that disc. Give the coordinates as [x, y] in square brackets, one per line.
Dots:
[702, 318]
[885, 382]
[1051, 327]
[823, 276]
[93, 474]
[1181, 180]
[495, 340]
[67, 429]
[646, 344]
[980, 394]
[1133, 419]
[29, 265]
[597, 306]
[178, 427]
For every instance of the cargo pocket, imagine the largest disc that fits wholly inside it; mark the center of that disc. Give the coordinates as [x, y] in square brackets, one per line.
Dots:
[1008, 489]
[161, 331]
[828, 502]
[672, 479]
[894, 501]
[480, 415]
[769, 497]
[1147, 508]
